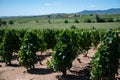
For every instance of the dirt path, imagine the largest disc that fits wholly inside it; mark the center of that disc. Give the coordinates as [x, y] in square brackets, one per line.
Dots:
[79, 71]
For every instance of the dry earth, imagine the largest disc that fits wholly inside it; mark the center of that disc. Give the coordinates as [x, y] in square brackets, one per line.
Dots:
[79, 71]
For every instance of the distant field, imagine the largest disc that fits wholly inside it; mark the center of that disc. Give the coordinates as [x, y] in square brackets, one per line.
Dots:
[32, 25]
[58, 23]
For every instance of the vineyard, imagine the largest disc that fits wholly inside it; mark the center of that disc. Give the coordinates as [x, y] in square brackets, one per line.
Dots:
[66, 45]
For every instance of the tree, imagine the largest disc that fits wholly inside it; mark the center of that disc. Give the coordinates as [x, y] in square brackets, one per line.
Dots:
[49, 16]
[4, 23]
[0, 22]
[73, 27]
[110, 20]
[10, 22]
[66, 21]
[98, 19]
[37, 21]
[49, 21]
[117, 20]
[88, 21]
[91, 14]
[75, 15]
[76, 21]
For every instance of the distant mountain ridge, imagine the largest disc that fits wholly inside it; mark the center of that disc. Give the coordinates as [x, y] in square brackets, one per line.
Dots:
[108, 11]
[63, 15]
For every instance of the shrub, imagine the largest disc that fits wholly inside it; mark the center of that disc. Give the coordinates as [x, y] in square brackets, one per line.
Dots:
[119, 28]
[91, 14]
[50, 38]
[110, 20]
[49, 21]
[73, 27]
[95, 38]
[64, 52]
[93, 28]
[106, 59]
[7, 46]
[28, 50]
[0, 22]
[4, 23]
[84, 41]
[76, 21]
[10, 22]
[98, 19]
[88, 21]
[66, 21]
[117, 20]
[37, 21]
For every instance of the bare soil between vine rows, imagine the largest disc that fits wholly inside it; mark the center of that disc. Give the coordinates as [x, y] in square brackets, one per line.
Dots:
[79, 71]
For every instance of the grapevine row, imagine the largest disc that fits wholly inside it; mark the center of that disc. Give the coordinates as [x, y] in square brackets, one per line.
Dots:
[66, 45]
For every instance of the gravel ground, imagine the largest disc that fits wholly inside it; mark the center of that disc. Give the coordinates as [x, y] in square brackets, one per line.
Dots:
[79, 71]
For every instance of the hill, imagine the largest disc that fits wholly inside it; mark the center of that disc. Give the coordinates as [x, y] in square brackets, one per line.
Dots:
[65, 15]
[108, 11]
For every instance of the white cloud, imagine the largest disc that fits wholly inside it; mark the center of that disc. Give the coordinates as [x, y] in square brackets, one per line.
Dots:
[92, 6]
[51, 4]
[47, 4]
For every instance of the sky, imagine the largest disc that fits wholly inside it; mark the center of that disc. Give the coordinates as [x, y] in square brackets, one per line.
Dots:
[41, 7]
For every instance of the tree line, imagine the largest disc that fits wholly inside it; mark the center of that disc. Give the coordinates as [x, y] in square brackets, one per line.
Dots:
[5, 23]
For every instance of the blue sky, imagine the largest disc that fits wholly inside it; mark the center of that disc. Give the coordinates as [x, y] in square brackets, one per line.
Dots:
[40, 7]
